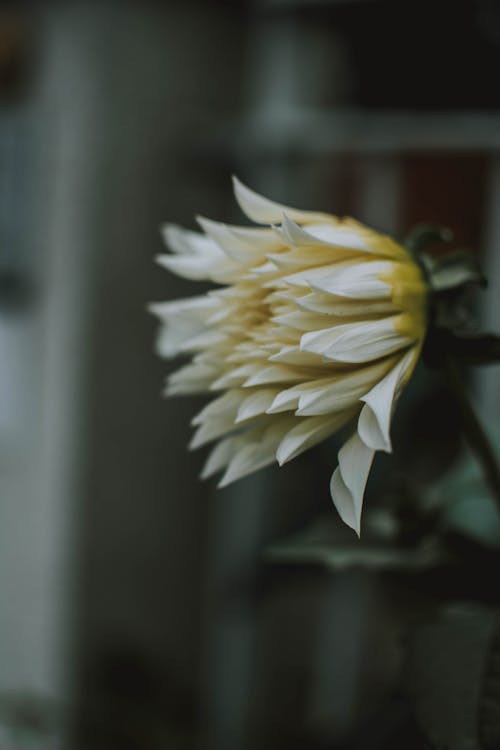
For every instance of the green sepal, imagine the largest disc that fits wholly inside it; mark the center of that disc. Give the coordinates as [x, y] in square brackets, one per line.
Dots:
[453, 270]
[422, 236]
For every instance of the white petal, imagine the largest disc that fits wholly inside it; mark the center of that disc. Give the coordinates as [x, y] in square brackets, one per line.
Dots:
[264, 240]
[350, 233]
[247, 460]
[183, 320]
[169, 339]
[301, 321]
[323, 302]
[228, 402]
[191, 308]
[291, 355]
[309, 276]
[274, 374]
[264, 211]
[375, 418]
[187, 266]
[294, 235]
[211, 429]
[185, 242]
[355, 460]
[340, 235]
[342, 500]
[358, 281]
[258, 451]
[234, 247]
[234, 378]
[221, 455]
[256, 403]
[309, 432]
[341, 392]
[356, 342]
[214, 266]
[193, 378]
[204, 340]
[286, 400]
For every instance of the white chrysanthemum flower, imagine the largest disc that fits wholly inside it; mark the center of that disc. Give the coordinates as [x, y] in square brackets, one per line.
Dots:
[318, 324]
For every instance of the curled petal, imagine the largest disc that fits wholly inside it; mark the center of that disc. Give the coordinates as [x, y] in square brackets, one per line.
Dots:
[355, 460]
[375, 418]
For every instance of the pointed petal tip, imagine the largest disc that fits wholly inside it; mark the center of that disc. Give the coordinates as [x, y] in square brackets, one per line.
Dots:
[204, 474]
[343, 501]
[224, 482]
[165, 229]
[193, 443]
[154, 308]
[238, 186]
[205, 223]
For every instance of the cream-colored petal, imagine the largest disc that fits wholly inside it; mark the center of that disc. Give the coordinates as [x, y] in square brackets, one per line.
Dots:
[375, 418]
[274, 374]
[358, 281]
[204, 340]
[240, 250]
[228, 402]
[356, 342]
[340, 235]
[294, 235]
[342, 499]
[234, 377]
[355, 460]
[308, 432]
[182, 320]
[309, 276]
[302, 321]
[350, 233]
[211, 267]
[342, 391]
[185, 242]
[258, 451]
[191, 308]
[256, 403]
[193, 378]
[286, 400]
[292, 355]
[322, 302]
[221, 455]
[212, 428]
[264, 240]
[169, 338]
[264, 211]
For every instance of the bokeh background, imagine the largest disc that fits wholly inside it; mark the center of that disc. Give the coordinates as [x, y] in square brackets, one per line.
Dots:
[137, 606]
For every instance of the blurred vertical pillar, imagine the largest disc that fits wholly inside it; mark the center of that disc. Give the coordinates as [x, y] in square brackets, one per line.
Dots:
[40, 475]
[286, 64]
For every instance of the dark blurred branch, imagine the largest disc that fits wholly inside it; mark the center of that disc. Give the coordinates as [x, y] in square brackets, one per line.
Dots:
[476, 435]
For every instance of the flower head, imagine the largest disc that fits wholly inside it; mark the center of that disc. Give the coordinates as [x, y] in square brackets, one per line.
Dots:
[317, 324]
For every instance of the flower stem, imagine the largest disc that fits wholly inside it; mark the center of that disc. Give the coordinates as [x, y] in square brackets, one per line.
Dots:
[473, 429]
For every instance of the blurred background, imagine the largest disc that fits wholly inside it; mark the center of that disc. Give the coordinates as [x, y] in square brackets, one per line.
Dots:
[139, 608]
